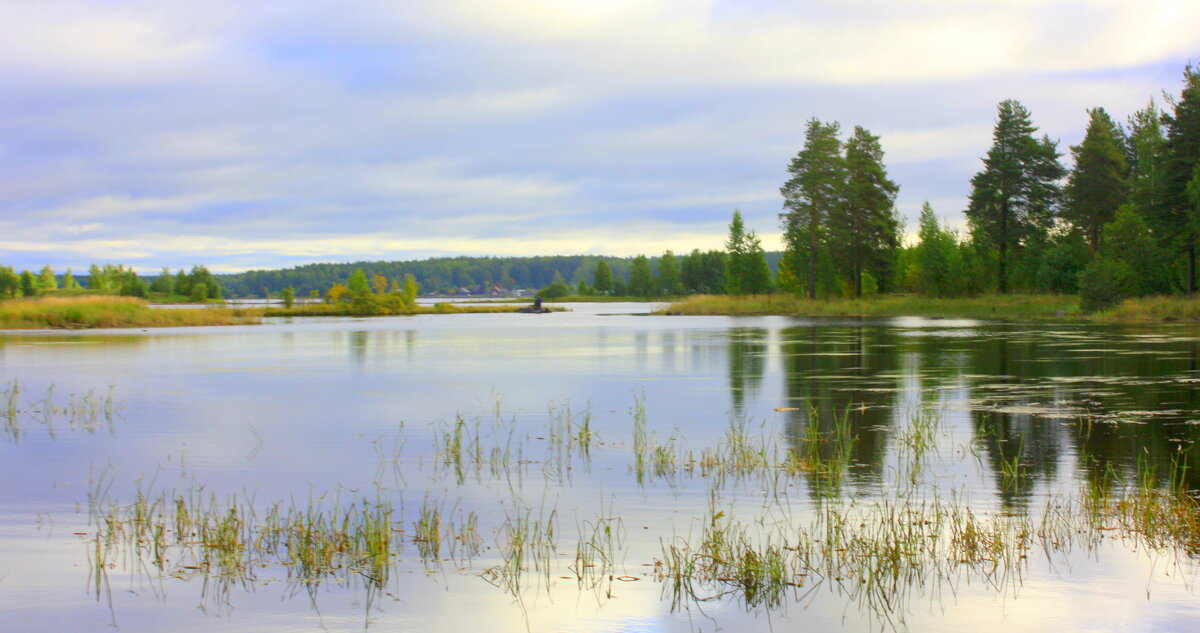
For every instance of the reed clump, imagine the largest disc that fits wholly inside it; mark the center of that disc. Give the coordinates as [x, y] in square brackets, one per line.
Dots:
[87, 411]
[104, 311]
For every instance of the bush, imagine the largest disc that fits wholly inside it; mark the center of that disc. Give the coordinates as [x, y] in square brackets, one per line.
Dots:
[1103, 284]
[556, 290]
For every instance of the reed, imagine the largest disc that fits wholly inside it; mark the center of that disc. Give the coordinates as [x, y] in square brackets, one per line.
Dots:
[111, 312]
[984, 307]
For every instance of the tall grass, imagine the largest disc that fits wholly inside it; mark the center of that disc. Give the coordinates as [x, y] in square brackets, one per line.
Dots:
[110, 312]
[990, 306]
[1143, 309]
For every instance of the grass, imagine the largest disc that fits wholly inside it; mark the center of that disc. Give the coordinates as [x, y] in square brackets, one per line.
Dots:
[990, 306]
[86, 312]
[1144, 309]
[77, 412]
[883, 552]
[1152, 309]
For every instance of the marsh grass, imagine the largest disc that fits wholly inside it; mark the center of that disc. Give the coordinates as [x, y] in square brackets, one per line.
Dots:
[112, 312]
[984, 307]
[1140, 309]
[87, 411]
[882, 552]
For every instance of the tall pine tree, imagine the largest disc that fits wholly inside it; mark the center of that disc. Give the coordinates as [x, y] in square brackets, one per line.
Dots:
[815, 189]
[863, 229]
[1015, 195]
[1181, 156]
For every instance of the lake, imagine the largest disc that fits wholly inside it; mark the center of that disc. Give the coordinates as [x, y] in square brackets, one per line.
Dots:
[600, 469]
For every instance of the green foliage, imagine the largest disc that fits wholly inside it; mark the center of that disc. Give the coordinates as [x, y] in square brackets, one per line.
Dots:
[669, 283]
[131, 285]
[640, 281]
[29, 286]
[746, 271]
[602, 279]
[936, 256]
[164, 283]
[198, 292]
[411, 288]
[288, 295]
[703, 273]
[1013, 198]
[46, 279]
[1127, 240]
[10, 283]
[1097, 185]
[557, 289]
[68, 281]
[1061, 264]
[358, 283]
[1103, 284]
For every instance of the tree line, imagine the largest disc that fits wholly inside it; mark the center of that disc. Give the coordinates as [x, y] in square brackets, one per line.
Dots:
[117, 279]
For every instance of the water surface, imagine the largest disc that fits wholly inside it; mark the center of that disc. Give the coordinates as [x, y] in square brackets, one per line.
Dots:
[323, 413]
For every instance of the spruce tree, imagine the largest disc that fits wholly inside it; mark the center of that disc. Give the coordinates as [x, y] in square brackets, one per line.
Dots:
[1015, 195]
[746, 271]
[818, 176]
[1181, 156]
[863, 229]
[1097, 185]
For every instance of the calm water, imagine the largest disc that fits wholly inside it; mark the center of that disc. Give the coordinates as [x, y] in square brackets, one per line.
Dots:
[330, 412]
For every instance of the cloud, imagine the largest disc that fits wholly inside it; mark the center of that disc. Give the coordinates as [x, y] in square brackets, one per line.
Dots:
[269, 132]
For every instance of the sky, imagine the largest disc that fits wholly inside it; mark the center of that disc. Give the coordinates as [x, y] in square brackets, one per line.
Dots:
[268, 134]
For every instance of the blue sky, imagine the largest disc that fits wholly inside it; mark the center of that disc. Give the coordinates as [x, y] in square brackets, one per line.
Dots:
[266, 134]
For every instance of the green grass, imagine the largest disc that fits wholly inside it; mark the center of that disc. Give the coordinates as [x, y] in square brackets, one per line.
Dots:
[1145, 309]
[102, 311]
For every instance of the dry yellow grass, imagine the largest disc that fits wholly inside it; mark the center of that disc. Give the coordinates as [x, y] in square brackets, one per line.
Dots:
[110, 312]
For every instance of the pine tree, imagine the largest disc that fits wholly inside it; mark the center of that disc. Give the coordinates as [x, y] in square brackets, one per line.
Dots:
[1181, 157]
[1097, 185]
[863, 229]
[818, 176]
[1016, 194]
[1144, 156]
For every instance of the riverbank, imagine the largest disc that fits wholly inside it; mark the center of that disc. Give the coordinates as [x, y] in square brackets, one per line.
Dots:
[1049, 307]
[106, 311]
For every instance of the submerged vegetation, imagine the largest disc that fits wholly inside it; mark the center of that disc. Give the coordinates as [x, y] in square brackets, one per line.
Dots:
[881, 552]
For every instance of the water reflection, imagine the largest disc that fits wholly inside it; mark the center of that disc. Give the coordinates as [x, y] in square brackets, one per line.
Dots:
[845, 374]
[747, 362]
